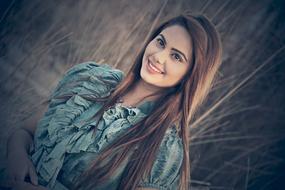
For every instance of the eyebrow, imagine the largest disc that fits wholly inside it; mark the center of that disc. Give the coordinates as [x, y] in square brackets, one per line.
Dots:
[174, 48]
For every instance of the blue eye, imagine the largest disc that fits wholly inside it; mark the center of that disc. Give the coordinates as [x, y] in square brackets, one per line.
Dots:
[177, 57]
[160, 41]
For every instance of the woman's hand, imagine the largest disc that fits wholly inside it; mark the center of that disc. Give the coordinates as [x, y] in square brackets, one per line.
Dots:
[21, 185]
[21, 168]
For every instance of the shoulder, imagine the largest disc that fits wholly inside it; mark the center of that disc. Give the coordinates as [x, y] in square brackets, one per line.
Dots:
[165, 171]
[88, 78]
[89, 65]
[93, 69]
[60, 131]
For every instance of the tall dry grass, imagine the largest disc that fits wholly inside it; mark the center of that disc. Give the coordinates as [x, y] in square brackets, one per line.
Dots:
[237, 136]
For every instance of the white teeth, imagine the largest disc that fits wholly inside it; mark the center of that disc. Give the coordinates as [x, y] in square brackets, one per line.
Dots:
[154, 68]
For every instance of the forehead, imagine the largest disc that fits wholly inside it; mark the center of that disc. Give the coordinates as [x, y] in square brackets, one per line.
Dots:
[178, 37]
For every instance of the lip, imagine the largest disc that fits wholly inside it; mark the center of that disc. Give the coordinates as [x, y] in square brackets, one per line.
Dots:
[150, 69]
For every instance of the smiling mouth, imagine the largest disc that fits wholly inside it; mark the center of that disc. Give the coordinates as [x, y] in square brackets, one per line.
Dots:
[153, 68]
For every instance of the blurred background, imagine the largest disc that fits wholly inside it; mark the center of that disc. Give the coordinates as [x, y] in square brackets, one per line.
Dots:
[238, 136]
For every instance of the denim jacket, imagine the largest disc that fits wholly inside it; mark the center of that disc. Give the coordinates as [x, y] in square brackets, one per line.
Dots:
[65, 146]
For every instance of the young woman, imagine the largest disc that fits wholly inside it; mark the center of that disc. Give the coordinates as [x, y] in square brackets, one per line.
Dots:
[106, 130]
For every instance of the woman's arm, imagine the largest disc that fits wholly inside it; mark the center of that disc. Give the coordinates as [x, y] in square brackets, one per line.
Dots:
[19, 166]
[22, 139]
[21, 185]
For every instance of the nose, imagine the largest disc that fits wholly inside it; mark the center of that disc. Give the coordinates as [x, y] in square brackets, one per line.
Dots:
[160, 57]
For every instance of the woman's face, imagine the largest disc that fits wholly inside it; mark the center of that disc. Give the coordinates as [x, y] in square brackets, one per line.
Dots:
[167, 57]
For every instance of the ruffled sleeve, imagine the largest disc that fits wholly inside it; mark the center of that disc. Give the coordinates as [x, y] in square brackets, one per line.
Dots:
[88, 78]
[60, 131]
[164, 174]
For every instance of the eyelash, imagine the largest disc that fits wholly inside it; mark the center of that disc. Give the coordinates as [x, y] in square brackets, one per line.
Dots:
[160, 40]
[162, 44]
[179, 58]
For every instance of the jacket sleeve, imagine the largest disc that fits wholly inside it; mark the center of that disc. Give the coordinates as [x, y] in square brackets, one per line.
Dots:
[165, 172]
[60, 131]
[88, 78]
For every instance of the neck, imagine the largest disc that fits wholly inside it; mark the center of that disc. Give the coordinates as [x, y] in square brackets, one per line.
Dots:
[144, 89]
[141, 92]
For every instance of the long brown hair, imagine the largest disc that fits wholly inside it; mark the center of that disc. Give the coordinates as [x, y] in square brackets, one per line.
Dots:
[177, 106]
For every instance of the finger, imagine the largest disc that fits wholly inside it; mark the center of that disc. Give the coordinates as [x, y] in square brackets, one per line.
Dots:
[6, 184]
[21, 185]
[16, 185]
[33, 175]
[10, 177]
[20, 177]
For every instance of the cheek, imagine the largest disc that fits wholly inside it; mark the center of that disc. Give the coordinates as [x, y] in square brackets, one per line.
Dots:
[176, 69]
[148, 52]
[176, 72]
[150, 48]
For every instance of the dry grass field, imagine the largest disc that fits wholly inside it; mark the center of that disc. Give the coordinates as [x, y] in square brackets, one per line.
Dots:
[238, 137]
